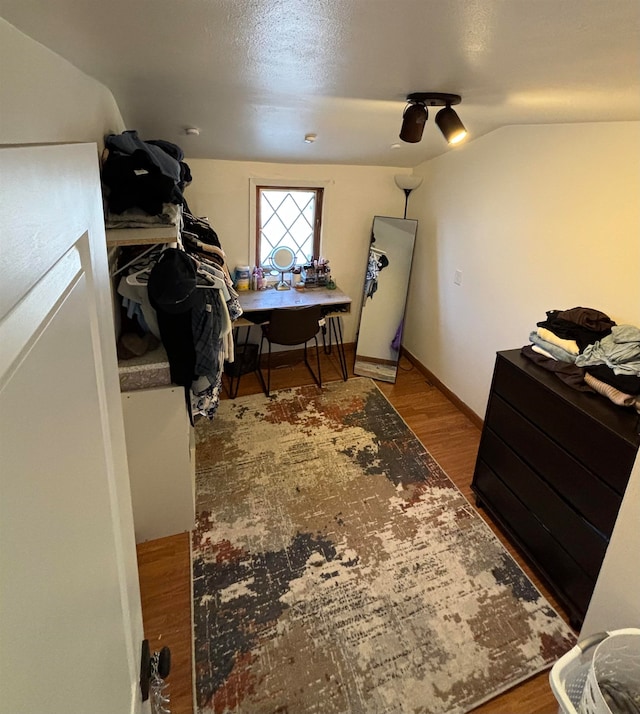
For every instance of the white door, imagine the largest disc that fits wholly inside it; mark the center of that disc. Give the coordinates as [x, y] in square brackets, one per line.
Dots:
[70, 618]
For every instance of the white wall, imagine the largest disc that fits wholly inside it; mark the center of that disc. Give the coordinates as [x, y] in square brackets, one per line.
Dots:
[616, 599]
[45, 99]
[221, 191]
[537, 218]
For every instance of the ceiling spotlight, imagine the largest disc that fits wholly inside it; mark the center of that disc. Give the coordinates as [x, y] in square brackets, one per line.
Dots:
[310, 138]
[192, 131]
[450, 125]
[413, 120]
[415, 116]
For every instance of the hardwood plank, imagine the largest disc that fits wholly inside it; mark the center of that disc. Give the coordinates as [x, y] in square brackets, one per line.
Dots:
[451, 437]
[164, 569]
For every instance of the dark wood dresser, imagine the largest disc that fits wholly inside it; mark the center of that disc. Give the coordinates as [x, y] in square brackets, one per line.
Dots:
[551, 471]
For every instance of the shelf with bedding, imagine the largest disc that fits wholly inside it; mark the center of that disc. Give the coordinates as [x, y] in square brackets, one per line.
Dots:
[119, 237]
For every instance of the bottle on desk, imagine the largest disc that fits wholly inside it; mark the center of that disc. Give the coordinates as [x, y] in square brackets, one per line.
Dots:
[257, 278]
[243, 277]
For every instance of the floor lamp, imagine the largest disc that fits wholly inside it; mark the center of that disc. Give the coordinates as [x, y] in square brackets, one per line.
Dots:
[407, 183]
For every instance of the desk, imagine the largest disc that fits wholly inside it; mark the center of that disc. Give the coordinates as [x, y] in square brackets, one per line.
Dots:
[256, 305]
[256, 301]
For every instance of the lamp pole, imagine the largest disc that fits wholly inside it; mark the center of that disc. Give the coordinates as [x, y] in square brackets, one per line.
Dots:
[407, 191]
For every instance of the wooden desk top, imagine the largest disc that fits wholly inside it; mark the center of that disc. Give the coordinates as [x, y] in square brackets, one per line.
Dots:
[260, 300]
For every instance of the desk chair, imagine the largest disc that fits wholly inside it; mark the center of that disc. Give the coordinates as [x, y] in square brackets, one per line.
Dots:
[291, 326]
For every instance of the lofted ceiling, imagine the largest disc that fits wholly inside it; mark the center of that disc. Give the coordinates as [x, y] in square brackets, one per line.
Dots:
[255, 76]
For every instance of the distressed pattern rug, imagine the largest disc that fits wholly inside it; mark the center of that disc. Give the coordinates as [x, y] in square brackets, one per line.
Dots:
[337, 569]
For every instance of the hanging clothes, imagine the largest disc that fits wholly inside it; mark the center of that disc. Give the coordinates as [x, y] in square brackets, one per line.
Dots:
[190, 300]
[173, 294]
[377, 262]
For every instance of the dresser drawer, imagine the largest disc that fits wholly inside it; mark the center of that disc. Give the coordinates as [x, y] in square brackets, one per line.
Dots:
[585, 545]
[566, 577]
[590, 496]
[569, 419]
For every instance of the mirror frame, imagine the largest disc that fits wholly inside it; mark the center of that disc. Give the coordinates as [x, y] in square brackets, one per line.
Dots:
[282, 267]
[384, 297]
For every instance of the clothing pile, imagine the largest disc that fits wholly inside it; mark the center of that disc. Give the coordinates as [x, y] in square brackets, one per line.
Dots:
[182, 293]
[143, 181]
[590, 352]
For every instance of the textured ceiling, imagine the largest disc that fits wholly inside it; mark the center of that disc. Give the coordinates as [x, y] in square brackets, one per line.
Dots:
[256, 75]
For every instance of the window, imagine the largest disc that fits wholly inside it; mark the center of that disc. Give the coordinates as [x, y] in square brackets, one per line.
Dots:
[291, 217]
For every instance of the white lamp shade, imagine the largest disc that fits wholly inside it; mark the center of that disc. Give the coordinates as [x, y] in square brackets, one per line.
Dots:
[407, 182]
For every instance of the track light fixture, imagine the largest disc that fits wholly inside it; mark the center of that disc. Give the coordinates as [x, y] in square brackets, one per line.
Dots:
[415, 116]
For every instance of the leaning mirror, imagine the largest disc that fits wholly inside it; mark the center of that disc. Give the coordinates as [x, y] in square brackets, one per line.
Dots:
[283, 259]
[384, 297]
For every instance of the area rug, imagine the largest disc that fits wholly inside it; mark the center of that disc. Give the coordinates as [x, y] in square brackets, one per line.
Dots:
[338, 570]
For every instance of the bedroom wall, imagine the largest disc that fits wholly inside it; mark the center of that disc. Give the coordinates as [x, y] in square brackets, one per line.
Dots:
[615, 602]
[221, 190]
[45, 99]
[536, 218]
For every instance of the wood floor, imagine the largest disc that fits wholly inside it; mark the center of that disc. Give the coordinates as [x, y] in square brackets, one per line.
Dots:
[164, 564]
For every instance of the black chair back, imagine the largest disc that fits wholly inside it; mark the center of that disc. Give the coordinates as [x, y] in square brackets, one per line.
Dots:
[293, 326]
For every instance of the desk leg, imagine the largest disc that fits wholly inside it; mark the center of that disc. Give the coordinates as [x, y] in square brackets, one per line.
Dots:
[234, 380]
[326, 347]
[335, 327]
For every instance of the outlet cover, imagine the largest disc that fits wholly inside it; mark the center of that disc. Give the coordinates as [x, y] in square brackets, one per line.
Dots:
[457, 277]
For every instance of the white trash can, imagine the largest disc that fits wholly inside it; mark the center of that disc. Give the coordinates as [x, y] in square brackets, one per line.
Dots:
[603, 668]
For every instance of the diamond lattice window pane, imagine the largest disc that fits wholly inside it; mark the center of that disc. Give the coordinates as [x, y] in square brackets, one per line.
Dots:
[287, 219]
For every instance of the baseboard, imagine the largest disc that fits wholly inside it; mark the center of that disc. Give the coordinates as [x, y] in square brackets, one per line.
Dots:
[464, 408]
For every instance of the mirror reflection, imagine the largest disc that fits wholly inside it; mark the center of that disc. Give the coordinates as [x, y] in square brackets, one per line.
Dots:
[283, 259]
[384, 297]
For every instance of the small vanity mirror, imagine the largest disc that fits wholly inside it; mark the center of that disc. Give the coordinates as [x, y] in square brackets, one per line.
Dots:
[283, 259]
[384, 297]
